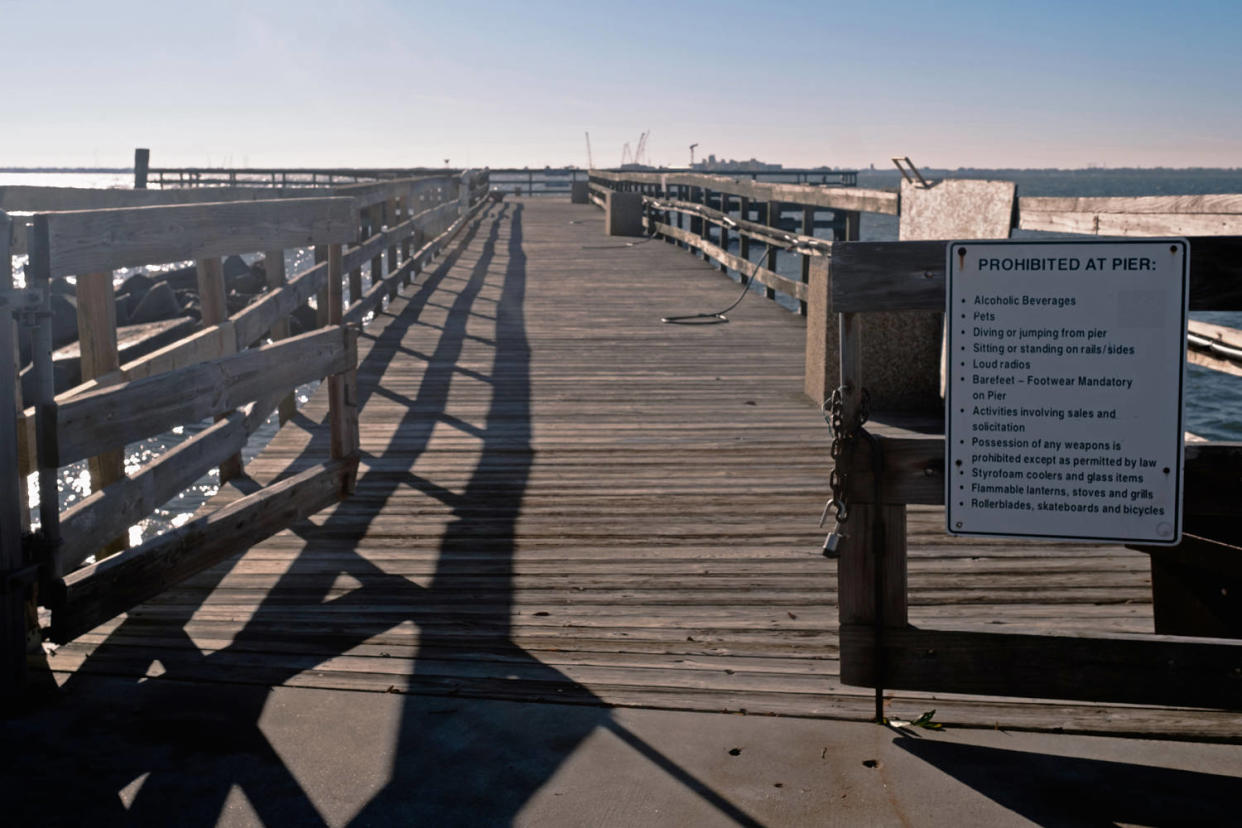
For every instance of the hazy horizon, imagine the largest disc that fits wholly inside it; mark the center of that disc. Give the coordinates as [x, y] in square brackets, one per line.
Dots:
[380, 83]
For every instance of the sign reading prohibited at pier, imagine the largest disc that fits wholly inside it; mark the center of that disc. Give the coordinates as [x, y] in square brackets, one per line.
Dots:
[1063, 400]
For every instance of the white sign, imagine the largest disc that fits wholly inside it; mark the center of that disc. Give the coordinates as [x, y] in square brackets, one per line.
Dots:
[1063, 406]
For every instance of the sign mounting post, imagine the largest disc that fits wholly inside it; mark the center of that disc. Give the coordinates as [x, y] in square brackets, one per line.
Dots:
[1063, 406]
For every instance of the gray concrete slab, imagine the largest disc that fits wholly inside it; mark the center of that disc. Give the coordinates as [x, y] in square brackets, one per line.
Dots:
[111, 751]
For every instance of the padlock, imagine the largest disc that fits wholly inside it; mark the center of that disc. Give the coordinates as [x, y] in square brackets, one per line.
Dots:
[833, 541]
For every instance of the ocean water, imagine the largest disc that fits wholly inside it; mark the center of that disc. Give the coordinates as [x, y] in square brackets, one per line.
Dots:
[74, 481]
[1214, 400]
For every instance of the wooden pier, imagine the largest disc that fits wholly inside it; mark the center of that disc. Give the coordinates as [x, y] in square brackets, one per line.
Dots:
[561, 499]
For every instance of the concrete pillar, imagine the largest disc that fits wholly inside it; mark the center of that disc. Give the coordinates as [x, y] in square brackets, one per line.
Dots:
[900, 351]
[578, 192]
[623, 214]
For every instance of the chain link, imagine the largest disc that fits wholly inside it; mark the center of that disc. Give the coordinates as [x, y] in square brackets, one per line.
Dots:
[844, 438]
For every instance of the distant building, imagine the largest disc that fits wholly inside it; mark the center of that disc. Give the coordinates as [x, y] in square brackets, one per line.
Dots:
[713, 164]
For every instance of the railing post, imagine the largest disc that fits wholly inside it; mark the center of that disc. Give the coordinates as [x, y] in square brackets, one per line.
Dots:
[274, 267]
[12, 492]
[142, 163]
[355, 274]
[343, 387]
[724, 231]
[211, 295]
[393, 220]
[871, 571]
[98, 356]
[322, 305]
[773, 220]
[808, 229]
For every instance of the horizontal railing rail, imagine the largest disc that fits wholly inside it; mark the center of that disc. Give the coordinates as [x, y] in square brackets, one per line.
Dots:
[226, 370]
[695, 211]
[1190, 665]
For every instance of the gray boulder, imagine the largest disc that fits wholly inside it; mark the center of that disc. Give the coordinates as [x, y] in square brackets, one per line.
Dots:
[64, 318]
[159, 303]
[135, 284]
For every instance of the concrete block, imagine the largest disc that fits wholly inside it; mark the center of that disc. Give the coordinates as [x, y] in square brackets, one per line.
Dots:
[623, 214]
[900, 354]
[578, 192]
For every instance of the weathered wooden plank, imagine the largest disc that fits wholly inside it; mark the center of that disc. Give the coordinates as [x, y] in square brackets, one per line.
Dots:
[761, 275]
[12, 500]
[840, 198]
[98, 592]
[90, 240]
[1185, 204]
[262, 315]
[97, 339]
[124, 413]
[109, 512]
[1130, 669]
[38, 199]
[274, 270]
[1138, 224]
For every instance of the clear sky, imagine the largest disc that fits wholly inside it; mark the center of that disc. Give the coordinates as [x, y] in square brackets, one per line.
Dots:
[385, 83]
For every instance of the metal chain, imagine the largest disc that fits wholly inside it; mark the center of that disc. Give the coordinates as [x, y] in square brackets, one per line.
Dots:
[844, 438]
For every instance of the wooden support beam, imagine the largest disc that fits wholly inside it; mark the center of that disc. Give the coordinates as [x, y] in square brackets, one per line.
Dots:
[13, 597]
[355, 273]
[808, 229]
[214, 304]
[97, 341]
[772, 219]
[121, 414]
[142, 163]
[274, 268]
[1134, 669]
[321, 298]
[87, 241]
[98, 592]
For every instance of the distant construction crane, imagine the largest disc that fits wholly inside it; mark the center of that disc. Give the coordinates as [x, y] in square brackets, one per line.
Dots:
[692, 146]
[639, 153]
[625, 154]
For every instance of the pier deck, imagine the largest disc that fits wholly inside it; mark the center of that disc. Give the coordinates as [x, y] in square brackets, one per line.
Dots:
[563, 500]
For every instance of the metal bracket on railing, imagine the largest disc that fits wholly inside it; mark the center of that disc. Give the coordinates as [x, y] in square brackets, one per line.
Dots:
[913, 176]
[27, 305]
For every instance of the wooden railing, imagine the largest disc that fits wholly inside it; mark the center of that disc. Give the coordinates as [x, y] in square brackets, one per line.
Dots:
[693, 210]
[223, 371]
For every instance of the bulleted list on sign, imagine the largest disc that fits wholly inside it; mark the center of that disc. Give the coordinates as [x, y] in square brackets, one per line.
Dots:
[1064, 389]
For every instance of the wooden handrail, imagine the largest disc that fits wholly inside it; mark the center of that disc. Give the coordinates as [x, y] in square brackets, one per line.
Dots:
[121, 414]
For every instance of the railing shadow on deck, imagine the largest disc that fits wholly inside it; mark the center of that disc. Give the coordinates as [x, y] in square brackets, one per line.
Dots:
[468, 758]
[1049, 789]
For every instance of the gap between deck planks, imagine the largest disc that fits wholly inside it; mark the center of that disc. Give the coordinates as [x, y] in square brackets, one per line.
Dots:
[562, 499]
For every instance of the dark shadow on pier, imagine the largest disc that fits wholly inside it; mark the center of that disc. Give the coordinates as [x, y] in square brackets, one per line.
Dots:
[457, 755]
[1061, 790]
